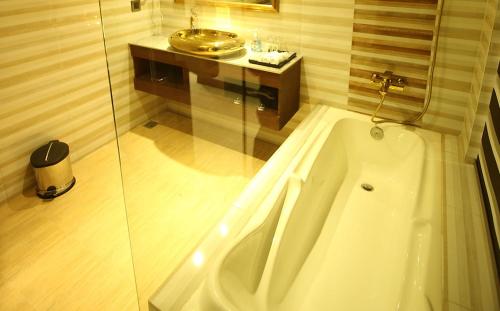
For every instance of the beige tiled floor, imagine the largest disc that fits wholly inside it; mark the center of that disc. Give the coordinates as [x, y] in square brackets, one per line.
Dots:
[74, 252]
[177, 190]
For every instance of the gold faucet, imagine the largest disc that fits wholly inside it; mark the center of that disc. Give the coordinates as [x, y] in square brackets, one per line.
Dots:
[384, 82]
[388, 82]
[194, 20]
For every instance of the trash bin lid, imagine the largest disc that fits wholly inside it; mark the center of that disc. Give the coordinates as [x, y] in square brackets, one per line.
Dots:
[49, 154]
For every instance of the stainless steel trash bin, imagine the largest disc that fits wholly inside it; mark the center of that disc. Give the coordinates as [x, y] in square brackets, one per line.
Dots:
[52, 168]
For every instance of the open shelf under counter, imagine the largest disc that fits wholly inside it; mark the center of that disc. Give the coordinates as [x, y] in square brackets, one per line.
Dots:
[164, 71]
[162, 88]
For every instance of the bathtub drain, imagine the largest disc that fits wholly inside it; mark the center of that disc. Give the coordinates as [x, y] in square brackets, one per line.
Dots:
[377, 133]
[367, 187]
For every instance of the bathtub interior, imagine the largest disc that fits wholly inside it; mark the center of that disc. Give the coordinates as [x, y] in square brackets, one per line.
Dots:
[327, 243]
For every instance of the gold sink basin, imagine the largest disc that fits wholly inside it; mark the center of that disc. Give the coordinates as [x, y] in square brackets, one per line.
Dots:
[207, 42]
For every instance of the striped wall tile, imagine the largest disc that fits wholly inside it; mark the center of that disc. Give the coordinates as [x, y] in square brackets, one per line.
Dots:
[342, 42]
[456, 56]
[122, 26]
[320, 30]
[53, 83]
[395, 36]
[482, 80]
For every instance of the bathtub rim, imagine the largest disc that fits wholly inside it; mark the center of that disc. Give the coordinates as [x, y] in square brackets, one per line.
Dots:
[172, 296]
[431, 157]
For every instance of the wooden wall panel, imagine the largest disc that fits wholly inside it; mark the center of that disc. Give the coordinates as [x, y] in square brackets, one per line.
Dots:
[395, 36]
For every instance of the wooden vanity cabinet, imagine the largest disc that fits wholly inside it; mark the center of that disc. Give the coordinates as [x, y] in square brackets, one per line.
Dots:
[166, 73]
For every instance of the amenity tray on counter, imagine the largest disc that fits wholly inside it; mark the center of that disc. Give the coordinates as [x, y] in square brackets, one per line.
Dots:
[279, 65]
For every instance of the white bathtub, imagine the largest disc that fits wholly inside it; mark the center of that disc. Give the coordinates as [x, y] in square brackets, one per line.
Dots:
[320, 241]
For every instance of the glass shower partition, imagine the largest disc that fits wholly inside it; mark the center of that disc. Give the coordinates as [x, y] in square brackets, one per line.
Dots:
[71, 252]
[193, 130]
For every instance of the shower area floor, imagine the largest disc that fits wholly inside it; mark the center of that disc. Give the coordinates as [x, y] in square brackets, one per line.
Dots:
[74, 252]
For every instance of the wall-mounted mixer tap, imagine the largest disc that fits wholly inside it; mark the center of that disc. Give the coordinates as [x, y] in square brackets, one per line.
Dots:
[385, 82]
[388, 82]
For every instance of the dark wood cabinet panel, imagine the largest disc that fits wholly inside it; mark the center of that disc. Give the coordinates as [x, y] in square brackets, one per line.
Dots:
[166, 73]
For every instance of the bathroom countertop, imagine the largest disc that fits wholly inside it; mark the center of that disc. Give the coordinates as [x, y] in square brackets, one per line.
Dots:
[161, 43]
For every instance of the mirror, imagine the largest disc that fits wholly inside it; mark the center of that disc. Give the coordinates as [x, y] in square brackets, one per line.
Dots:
[259, 5]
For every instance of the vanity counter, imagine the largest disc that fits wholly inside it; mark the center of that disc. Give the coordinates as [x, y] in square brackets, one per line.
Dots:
[164, 71]
[241, 60]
